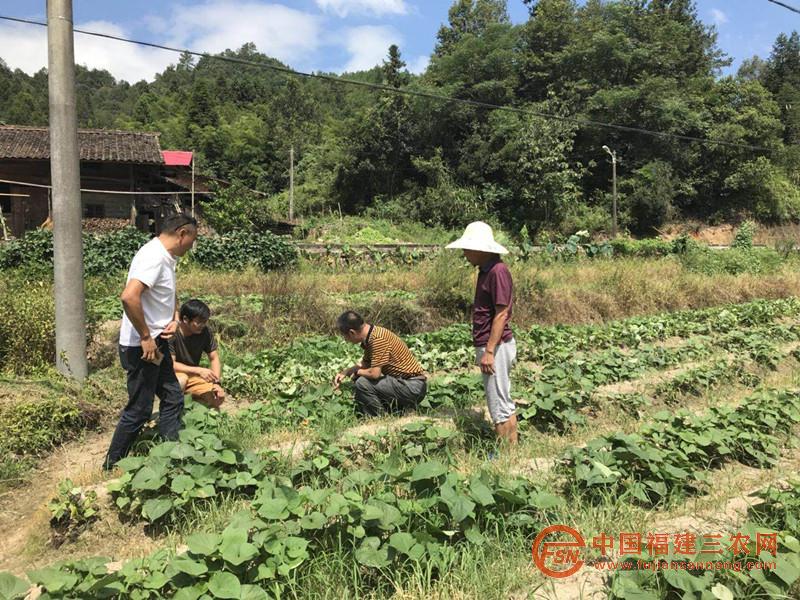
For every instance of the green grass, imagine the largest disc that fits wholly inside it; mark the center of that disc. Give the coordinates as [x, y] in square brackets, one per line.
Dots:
[362, 230]
[500, 567]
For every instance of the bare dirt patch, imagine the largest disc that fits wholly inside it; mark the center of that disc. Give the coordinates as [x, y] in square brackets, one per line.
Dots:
[25, 516]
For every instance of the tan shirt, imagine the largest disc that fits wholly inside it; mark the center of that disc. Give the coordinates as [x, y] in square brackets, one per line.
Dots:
[384, 349]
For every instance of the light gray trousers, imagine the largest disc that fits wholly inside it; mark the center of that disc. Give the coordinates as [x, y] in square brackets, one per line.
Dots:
[498, 386]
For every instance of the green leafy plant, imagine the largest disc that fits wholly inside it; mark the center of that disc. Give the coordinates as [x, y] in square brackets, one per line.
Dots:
[239, 249]
[27, 325]
[743, 238]
[776, 515]
[579, 244]
[668, 458]
[71, 510]
[102, 253]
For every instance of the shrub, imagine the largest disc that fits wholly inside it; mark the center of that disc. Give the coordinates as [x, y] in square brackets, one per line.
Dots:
[32, 427]
[236, 208]
[35, 247]
[647, 248]
[27, 324]
[441, 201]
[447, 286]
[594, 219]
[743, 239]
[111, 252]
[101, 253]
[732, 262]
[763, 189]
[785, 246]
[240, 249]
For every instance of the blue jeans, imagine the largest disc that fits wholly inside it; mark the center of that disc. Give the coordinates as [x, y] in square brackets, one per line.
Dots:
[145, 381]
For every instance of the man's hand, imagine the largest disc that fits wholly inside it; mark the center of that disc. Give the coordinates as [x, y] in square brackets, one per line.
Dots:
[206, 374]
[149, 349]
[351, 373]
[220, 394]
[338, 380]
[170, 330]
[487, 363]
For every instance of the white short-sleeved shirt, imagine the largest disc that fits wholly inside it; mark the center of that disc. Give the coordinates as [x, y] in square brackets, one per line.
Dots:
[154, 266]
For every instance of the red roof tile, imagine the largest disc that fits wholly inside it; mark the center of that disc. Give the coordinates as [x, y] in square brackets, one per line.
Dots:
[177, 158]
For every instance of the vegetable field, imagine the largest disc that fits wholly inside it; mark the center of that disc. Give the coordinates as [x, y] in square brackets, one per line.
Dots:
[657, 423]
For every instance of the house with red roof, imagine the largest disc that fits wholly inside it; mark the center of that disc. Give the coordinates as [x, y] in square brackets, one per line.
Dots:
[126, 179]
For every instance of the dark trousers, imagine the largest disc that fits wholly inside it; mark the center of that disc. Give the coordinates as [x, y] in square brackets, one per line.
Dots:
[145, 381]
[388, 394]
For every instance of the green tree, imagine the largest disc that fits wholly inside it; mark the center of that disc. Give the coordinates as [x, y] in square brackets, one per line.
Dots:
[469, 17]
[381, 145]
[201, 110]
[649, 195]
[782, 78]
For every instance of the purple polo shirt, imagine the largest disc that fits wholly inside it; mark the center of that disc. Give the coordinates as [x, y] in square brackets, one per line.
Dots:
[494, 288]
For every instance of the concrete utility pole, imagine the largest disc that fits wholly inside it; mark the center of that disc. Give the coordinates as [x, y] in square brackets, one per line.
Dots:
[291, 183]
[614, 179]
[65, 179]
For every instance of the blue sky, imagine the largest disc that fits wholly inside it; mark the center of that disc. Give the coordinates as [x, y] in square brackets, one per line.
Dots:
[327, 35]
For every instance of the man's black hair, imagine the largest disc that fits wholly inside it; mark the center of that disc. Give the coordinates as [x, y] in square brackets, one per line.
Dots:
[174, 222]
[349, 320]
[195, 309]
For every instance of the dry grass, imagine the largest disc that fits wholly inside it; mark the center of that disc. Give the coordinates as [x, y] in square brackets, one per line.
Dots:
[252, 281]
[600, 291]
[304, 302]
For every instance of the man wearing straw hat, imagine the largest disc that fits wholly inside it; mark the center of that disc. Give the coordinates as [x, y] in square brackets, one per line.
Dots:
[495, 348]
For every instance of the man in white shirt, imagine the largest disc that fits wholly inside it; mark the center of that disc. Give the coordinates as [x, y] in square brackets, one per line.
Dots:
[149, 320]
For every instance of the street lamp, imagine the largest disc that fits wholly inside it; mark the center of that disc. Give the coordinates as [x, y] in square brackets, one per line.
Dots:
[614, 179]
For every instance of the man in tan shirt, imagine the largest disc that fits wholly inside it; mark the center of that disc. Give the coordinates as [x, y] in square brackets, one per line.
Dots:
[388, 378]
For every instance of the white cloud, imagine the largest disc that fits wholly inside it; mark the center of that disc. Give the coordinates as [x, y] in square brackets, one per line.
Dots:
[25, 48]
[419, 64]
[284, 33]
[293, 36]
[369, 45]
[720, 18]
[276, 30]
[376, 7]
[123, 60]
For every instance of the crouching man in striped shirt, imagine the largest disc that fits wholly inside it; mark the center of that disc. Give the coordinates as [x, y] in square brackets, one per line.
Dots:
[388, 378]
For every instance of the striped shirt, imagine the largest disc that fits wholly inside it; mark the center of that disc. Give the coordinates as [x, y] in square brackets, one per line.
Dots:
[384, 349]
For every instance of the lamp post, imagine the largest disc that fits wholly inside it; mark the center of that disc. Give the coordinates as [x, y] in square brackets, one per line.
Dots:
[614, 183]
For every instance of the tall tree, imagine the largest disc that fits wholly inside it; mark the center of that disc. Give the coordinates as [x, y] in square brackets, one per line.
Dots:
[380, 144]
[469, 17]
[782, 78]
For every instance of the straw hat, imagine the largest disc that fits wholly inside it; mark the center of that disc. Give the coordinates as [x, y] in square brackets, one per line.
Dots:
[478, 236]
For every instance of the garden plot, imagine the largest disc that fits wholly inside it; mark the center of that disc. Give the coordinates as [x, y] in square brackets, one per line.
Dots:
[417, 510]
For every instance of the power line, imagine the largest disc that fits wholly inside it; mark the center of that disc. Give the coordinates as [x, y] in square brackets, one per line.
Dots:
[786, 6]
[93, 191]
[409, 92]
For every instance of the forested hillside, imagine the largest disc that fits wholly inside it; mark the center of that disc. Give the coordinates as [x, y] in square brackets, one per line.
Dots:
[649, 64]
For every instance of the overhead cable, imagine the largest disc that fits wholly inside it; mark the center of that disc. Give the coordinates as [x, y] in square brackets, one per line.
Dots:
[786, 6]
[410, 92]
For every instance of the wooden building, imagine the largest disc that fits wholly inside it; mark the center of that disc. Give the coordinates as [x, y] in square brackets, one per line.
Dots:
[111, 161]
